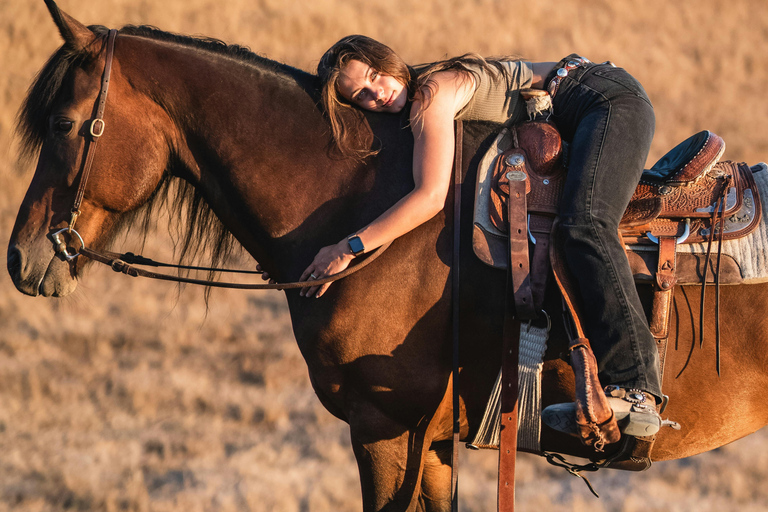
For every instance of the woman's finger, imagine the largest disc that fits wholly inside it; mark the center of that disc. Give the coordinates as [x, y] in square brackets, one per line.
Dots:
[322, 289]
[305, 276]
[309, 292]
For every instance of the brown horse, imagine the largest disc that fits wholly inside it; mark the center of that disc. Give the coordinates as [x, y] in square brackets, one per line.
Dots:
[251, 149]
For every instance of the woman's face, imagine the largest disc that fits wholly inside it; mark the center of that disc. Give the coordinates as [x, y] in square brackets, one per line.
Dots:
[362, 85]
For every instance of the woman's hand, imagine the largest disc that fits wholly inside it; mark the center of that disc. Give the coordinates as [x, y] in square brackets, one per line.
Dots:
[264, 274]
[329, 260]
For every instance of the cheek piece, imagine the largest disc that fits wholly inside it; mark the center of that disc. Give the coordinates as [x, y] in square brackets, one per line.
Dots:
[96, 130]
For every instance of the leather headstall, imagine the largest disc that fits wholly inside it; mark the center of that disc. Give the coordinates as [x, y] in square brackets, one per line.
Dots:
[96, 129]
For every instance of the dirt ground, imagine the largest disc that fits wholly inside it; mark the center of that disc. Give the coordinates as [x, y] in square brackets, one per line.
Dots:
[128, 395]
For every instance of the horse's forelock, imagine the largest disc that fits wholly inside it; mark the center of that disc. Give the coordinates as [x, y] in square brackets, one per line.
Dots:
[32, 118]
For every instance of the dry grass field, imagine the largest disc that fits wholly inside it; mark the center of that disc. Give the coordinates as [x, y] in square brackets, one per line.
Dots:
[128, 396]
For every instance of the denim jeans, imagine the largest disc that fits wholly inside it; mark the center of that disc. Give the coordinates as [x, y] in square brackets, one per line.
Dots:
[608, 120]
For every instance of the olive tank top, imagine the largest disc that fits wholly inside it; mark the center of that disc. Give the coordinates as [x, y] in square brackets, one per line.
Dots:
[497, 97]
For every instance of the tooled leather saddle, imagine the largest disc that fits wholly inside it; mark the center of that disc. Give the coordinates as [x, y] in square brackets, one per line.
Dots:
[688, 196]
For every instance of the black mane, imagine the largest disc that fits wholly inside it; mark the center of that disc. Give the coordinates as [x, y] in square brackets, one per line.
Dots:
[237, 52]
[202, 231]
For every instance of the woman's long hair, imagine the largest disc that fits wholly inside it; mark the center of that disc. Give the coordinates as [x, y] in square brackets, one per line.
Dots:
[346, 120]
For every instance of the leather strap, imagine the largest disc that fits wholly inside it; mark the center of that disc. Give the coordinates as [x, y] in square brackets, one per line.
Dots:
[517, 210]
[594, 416]
[96, 129]
[717, 224]
[509, 406]
[540, 227]
[665, 284]
[457, 180]
[663, 294]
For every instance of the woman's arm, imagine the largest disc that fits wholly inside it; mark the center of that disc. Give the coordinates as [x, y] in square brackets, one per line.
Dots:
[432, 163]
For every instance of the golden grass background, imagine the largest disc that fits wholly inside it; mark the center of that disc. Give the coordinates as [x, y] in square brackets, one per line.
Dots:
[127, 396]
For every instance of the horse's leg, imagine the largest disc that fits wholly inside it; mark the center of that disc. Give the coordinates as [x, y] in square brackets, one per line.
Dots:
[436, 479]
[389, 458]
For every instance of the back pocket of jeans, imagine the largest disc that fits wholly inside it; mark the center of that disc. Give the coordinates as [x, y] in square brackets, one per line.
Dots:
[621, 77]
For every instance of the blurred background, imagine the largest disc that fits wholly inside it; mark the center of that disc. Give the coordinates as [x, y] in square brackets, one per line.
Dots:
[129, 395]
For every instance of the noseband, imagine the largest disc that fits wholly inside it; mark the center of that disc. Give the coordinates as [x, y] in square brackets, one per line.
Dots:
[124, 262]
[96, 130]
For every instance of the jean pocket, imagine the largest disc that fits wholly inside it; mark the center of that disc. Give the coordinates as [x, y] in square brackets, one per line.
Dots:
[621, 77]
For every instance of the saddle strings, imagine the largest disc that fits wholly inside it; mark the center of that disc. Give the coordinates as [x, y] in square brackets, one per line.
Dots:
[717, 276]
[717, 221]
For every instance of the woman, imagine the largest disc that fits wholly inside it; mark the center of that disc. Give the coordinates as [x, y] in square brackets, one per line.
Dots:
[600, 109]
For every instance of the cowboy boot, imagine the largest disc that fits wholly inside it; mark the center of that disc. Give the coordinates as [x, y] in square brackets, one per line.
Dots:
[635, 413]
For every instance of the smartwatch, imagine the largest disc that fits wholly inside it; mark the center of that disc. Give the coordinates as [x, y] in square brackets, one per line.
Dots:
[355, 245]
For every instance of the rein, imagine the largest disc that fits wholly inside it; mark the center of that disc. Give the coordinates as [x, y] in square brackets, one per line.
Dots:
[124, 262]
[118, 263]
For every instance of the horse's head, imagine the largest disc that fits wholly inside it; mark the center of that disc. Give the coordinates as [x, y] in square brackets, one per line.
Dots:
[57, 118]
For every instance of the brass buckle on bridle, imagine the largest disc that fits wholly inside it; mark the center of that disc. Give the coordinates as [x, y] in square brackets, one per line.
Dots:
[95, 131]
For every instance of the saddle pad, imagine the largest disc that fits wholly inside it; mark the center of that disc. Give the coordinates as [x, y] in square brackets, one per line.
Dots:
[488, 242]
[750, 252]
[501, 143]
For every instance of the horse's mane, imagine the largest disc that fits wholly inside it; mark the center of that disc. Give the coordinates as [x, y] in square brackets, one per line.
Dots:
[197, 229]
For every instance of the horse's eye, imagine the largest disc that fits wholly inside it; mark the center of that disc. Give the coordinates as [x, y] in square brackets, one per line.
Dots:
[63, 126]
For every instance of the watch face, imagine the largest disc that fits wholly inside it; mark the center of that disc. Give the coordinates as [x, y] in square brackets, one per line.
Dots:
[355, 245]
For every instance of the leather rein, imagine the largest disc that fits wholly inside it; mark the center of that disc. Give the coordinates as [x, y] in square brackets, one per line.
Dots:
[124, 262]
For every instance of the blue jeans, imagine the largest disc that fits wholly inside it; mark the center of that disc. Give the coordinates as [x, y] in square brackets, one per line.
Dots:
[607, 118]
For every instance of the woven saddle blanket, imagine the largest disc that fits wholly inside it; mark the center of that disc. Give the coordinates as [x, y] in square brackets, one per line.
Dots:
[748, 255]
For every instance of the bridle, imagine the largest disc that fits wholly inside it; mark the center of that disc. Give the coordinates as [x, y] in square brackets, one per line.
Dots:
[96, 130]
[124, 262]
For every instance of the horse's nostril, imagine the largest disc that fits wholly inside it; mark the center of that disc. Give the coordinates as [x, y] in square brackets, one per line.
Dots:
[14, 263]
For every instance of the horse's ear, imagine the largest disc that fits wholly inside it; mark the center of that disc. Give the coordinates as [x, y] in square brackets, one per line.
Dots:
[74, 33]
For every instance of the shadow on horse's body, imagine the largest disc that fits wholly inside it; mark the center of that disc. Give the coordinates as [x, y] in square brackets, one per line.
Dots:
[247, 134]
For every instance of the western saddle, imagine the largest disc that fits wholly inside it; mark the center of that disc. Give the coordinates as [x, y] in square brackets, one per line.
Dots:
[688, 196]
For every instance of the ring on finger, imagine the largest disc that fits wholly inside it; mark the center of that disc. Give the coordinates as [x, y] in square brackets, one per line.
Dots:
[313, 276]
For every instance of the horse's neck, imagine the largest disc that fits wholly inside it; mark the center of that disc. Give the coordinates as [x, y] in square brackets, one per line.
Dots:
[254, 142]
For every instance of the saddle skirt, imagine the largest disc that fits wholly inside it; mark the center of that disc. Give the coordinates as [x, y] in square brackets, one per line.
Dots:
[677, 197]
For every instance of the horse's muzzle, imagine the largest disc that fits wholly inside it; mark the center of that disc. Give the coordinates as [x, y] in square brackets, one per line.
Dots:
[51, 278]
